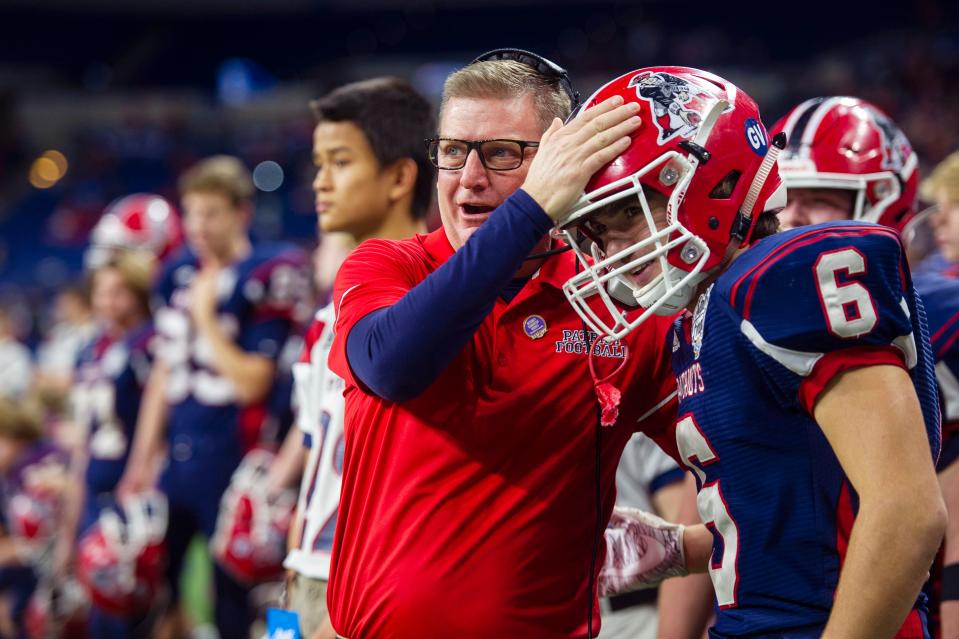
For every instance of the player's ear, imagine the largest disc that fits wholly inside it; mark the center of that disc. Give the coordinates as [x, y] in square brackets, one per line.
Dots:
[402, 175]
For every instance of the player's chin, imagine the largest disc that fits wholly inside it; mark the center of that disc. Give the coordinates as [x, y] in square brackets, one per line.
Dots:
[330, 223]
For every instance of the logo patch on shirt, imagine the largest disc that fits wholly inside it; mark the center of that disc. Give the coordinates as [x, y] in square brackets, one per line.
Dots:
[534, 326]
[699, 321]
[579, 342]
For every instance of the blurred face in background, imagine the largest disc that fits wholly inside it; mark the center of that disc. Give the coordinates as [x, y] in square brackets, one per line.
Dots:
[815, 206]
[468, 195]
[115, 305]
[214, 226]
[351, 189]
[945, 223]
[9, 451]
[71, 307]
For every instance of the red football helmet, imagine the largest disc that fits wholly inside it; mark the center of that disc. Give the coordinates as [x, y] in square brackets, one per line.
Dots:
[250, 537]
[32, 517]
[142, 221]
[848, 143]
[120, 559]
[57, 610]
[702, 146]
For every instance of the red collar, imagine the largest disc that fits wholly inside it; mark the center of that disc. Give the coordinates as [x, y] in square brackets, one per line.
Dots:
[437, 246]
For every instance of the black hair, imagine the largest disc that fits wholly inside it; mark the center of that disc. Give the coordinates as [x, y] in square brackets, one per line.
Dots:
[395, 119]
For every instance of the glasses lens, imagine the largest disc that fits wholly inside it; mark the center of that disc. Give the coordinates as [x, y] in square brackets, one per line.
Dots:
[450, 154]
[502, 155]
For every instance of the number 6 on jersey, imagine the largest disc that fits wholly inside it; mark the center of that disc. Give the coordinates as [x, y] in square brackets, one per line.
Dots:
[850, 311]
[697, 452]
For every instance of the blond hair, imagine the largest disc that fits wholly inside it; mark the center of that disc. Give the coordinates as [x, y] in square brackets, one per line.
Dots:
[222, 174]
[20, 420]
[507, 79]
[136, 268]
[943, 179]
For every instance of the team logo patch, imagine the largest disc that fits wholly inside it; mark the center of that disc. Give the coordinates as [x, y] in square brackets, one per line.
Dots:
[678, 105]
[699, 321]
[756, 137]
[534, 326]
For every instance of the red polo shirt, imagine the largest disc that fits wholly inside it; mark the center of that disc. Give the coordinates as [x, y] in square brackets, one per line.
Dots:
[469, 511]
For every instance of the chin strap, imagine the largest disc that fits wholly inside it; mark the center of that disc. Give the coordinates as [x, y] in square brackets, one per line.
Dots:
[743, 222]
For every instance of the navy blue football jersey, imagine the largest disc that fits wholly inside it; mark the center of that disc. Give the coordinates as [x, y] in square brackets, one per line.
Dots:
[940, 296]
[786, 317]
[108, 385]
[258, 298]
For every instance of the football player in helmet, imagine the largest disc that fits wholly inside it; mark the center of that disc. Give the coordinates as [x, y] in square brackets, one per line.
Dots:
[139, 222]
[224, 309]
[793, 341]
[847, 160]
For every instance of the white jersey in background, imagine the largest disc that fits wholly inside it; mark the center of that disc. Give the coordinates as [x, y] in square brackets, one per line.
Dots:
[319, 395]
[643, 469]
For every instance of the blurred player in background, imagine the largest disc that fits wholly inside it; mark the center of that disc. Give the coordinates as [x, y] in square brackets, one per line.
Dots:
[937, 279]
[16, 363]
[372, 181]
[108, 384]
[224, 309]
[72, 328]
[795, 338]
[32, 487]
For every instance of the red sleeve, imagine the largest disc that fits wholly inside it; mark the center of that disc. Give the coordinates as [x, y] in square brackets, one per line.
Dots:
[376, 275]
[657, 416]
[836, 362]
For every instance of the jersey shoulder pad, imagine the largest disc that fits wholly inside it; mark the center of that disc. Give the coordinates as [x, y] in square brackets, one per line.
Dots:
[822, 288]
[174, 273]
[276, 279]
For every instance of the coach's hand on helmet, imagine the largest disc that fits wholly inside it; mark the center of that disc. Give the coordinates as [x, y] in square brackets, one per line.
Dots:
[570, 154]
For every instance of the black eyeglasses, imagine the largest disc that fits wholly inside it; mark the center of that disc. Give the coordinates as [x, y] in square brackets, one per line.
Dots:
[543, 66]
[449, 154]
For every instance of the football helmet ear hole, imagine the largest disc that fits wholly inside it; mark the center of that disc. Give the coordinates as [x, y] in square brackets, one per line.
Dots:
[725, 187]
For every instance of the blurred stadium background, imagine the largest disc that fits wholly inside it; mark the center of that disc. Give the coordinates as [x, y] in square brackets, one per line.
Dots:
[101, 98]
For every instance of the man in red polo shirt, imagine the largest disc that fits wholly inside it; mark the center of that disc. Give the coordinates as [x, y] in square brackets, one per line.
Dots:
[476, 471]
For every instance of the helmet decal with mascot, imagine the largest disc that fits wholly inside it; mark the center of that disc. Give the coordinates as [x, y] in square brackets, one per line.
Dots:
[676, 101]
